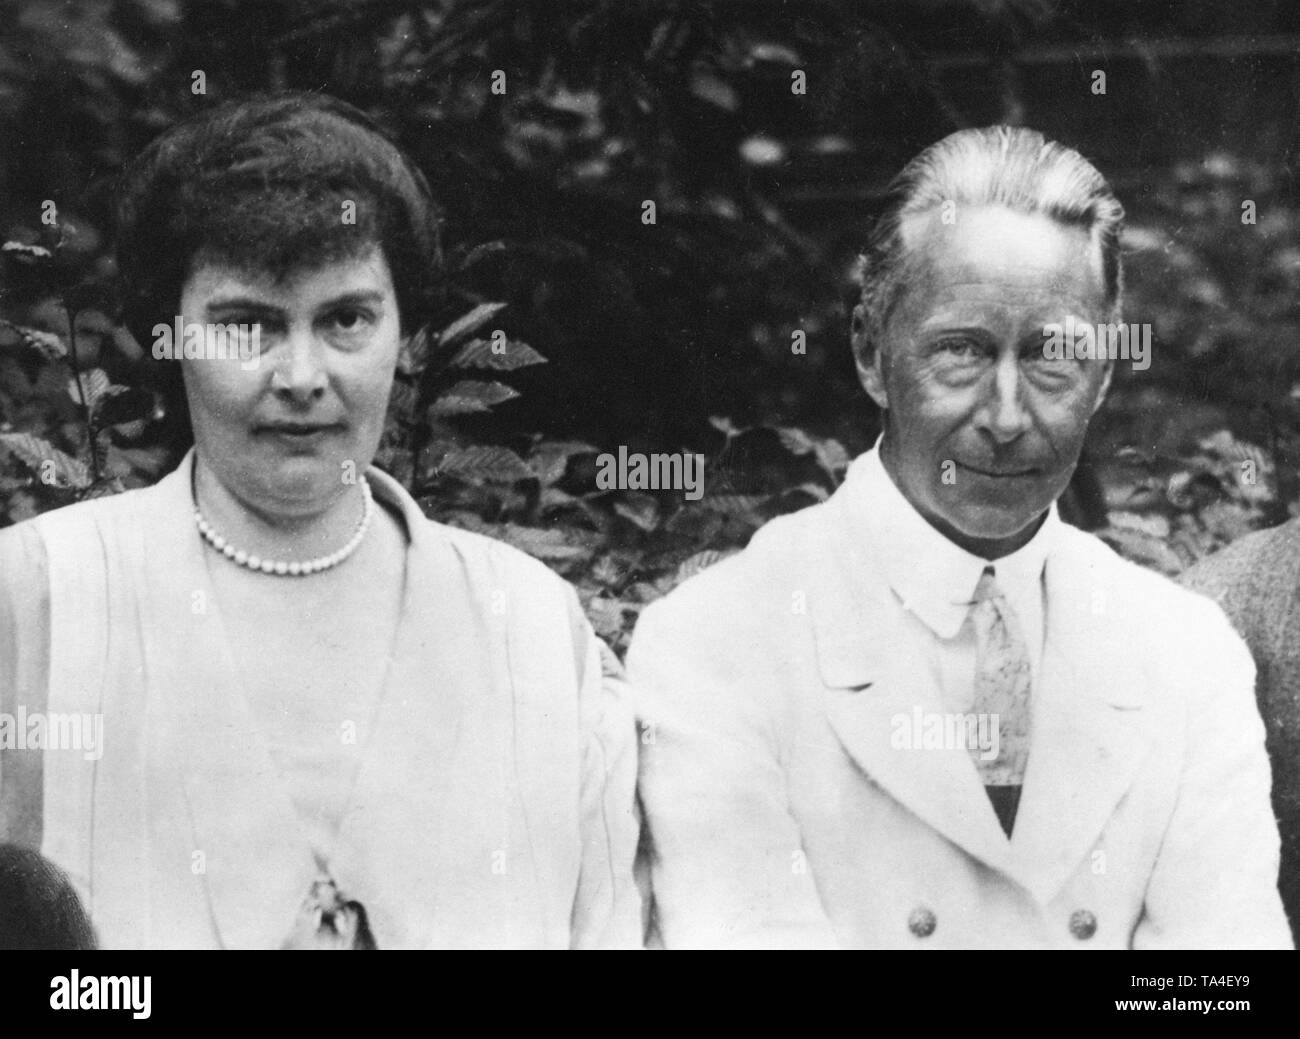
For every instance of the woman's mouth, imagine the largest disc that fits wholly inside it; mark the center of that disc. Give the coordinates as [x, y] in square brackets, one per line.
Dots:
[300, 433]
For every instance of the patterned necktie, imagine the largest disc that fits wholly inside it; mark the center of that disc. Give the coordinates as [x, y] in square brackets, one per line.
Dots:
[1002, 678]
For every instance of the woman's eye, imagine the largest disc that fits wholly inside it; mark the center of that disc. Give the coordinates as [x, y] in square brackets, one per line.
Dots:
[350, 320]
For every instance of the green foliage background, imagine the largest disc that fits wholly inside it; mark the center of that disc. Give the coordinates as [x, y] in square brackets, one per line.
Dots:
[677, 336]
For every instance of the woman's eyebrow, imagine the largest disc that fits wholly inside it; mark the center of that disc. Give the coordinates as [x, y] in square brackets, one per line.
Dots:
[371, 296]
[247, 303]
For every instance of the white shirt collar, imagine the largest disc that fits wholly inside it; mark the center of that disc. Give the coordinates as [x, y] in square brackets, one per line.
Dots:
[935, 578]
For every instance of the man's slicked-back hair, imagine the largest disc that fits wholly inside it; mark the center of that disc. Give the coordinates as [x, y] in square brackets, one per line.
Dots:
[1007, 166]
[262, 184]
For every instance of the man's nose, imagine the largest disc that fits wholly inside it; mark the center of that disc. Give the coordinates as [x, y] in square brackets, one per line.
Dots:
[300, 375]
[1004, 414]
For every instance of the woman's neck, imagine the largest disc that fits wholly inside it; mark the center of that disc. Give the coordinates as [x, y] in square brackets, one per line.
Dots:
[270, 532]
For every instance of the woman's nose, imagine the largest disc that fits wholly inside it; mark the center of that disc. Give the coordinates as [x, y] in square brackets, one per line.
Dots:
[300, 375]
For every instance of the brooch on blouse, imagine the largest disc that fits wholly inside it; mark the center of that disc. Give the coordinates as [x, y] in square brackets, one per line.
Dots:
[327, 920]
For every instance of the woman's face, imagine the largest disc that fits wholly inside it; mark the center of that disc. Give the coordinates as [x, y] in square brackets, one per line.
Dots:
[287, 432]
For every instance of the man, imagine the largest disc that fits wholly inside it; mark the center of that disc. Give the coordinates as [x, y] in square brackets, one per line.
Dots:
[1257, 582]
[926, 713]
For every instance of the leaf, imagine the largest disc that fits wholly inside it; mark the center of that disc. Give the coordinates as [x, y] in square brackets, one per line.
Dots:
[830, 453]
[95, 384]
[554, 545]
[696, 564]
[715, 91]
[639, 509]
[469, 397]
[401, 399]
[606, 615]
[103, 489]
[1151, 552]
[700, 525]
[47, 344]
[485, 462]
[550, 458]
[471, 322]
[125, 405]
[736, 504]
[725, 426]
[49, 463]
[27, 253]
[132, 429]
[479, 353]
[414, 353]
[606, 572]
[813, 490]
[1156, 526]
[480, 251]
[795, 440]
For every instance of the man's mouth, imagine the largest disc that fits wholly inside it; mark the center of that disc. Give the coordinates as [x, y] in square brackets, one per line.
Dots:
[1000, 472]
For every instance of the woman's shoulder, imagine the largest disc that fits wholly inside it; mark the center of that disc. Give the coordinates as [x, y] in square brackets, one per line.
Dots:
[24, 572]
[67, 526]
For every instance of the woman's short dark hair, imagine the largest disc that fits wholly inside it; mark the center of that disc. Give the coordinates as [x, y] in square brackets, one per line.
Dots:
[263, 184]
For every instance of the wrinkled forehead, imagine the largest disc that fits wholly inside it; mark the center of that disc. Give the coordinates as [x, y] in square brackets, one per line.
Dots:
[1003, 255]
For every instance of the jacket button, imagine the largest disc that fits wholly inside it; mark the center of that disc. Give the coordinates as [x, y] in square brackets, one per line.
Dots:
[921, 922]
[1083, 925]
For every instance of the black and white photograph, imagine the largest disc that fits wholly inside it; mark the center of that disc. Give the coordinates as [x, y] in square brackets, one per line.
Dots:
[651, 475]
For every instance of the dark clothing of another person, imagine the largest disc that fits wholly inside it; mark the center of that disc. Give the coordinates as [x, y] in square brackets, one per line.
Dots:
[1257, 582]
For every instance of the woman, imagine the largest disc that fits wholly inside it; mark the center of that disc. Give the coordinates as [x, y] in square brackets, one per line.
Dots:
[327, 721]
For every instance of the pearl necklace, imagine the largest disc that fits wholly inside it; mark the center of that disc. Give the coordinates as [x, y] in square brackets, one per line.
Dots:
[278, 566]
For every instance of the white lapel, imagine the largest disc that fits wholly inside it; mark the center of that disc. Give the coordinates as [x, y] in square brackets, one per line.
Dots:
[257, 863]
[1090, 729]
[873, 684]
[412, 847]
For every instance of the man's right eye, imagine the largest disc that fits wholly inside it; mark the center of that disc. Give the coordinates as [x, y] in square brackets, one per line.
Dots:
[959, 347]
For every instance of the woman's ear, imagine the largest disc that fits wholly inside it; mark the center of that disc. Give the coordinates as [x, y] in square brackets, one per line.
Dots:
[867, 356]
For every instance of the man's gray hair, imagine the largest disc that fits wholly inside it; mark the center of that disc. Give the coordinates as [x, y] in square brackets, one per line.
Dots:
[998, 165]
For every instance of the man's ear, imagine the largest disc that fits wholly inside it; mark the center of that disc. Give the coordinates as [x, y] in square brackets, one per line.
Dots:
[867, 356]
[1105, 385]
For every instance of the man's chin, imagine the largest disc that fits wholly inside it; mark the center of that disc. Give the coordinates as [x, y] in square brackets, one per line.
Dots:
[991, 533]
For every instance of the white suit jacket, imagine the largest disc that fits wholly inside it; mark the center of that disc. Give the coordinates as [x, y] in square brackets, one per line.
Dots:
[780, 813]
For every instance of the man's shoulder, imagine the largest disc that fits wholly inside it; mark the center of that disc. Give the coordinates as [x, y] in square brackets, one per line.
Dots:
[777, 551]
[1159, 602]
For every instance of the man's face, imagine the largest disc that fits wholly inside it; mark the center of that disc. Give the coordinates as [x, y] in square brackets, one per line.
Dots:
[281, 435]
[982, 431]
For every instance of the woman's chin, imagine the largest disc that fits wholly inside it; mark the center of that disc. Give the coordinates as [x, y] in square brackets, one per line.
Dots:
[302, 482]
